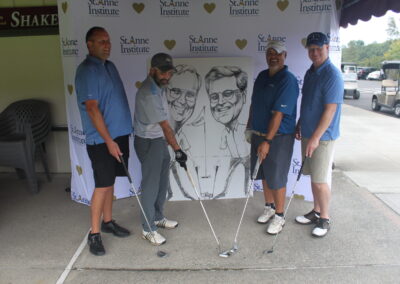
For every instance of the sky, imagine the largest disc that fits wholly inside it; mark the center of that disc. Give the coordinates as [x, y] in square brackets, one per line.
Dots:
[373, 30]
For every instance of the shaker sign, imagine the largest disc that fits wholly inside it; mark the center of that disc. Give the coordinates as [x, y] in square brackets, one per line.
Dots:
[28, 21]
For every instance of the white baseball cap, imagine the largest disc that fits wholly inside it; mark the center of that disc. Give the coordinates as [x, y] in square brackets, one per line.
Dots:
[279, 46]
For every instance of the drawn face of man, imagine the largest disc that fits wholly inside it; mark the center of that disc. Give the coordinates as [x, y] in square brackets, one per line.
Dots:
[182, 95]
[226, 100]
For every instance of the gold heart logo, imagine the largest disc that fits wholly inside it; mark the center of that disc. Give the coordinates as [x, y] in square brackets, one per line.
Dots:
[304, 41]
[209, 7]
[70, 89]
[138, 84]
[138, 7]
[299, 196]
[169, 43]
[338, 4]
[241, 43]
[64, 7]
[114, 197]
[79, 170]
[282, 4]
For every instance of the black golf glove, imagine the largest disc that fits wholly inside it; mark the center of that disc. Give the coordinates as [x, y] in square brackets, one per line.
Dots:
[181, 158]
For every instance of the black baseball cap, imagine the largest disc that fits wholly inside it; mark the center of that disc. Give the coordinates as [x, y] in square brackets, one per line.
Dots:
[317, 38]
[162, 61]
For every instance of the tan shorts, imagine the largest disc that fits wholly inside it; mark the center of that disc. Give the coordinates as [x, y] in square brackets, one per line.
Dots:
[319, 166]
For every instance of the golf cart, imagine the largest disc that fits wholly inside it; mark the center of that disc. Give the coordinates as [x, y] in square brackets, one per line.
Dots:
[349, 73]
[389, 96]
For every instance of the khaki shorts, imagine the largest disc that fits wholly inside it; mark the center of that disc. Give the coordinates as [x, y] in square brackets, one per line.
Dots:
[319, 166]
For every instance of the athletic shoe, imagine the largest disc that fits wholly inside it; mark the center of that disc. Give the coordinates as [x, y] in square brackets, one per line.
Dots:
[113, 227]
[276, 225]
[321, 228]
[95, 244]
[266, 215]
[154, 238]
[310, 218]
[166, 224]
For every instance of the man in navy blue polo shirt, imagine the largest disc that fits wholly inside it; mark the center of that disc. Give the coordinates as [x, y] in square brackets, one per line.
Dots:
[271, 128]
[318, 128]
[107, 123]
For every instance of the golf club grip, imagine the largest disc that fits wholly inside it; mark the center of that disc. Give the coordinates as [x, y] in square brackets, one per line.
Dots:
[256, 167]
[301, 169]
[126, 170]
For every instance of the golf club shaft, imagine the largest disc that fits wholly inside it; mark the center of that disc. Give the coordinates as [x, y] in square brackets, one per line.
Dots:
[290, 199]
[253, 177]
[138, 199]
[202, 206]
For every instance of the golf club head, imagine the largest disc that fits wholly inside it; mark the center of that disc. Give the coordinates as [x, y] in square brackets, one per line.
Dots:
[229, 252]
[268, 251]
[161, 253]
[226, 253]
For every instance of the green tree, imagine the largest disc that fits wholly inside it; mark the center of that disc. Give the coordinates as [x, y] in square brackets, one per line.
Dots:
[392, 30]
[394, 51]
[365, 55]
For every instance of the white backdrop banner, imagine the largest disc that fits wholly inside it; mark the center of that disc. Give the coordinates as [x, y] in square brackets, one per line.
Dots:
[233, 33]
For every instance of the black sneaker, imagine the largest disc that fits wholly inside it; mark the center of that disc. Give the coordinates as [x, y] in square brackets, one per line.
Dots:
[95, 244]
[310, 218]
[113, 227]
[321, 228]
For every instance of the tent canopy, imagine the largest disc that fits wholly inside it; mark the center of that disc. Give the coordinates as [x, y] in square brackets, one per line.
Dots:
[354, 10]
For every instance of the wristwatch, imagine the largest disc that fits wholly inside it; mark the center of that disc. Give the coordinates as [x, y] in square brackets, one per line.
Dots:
[269, 141]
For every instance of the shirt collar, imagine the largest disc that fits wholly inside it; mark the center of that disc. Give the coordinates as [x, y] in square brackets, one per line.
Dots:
[95, 59]
[279, 73]
[320, 68]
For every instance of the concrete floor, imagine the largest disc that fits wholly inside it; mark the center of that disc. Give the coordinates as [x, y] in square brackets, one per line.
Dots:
[41, 233]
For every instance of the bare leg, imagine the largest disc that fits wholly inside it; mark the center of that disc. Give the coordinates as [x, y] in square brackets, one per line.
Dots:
[279, 198]
[108, 204]
[268, 197]
[322, 196]
[97, 206]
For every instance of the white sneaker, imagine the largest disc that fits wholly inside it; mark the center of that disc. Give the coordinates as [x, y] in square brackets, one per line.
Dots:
[276, 225]
[154, 238]
[266, 215]
[166, 224]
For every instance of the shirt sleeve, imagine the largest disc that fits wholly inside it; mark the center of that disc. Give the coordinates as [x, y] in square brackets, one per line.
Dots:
[333, 89]
[152, 109]
[289, 91]
[87, 85]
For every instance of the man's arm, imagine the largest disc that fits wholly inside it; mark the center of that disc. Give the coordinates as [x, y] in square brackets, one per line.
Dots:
[98, 122]
[324, 122]
[273, 127]
[169, 135]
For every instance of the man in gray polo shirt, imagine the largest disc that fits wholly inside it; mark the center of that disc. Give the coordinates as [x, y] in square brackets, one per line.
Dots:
[153, 134]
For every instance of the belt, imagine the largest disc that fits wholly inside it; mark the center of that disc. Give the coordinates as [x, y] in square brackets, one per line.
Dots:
[264, 134]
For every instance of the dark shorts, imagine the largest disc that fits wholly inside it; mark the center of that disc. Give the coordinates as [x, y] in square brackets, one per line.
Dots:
[275, 167]
[106, 167]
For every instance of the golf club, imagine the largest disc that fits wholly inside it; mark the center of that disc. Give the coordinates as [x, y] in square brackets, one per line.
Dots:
[204, 210]
[235, 246]
[160, 253]
[271, 250]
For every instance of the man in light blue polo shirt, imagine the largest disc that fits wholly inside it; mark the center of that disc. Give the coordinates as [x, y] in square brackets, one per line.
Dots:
[107, 123]
[318, 128]
[272, 123]
[153, 134]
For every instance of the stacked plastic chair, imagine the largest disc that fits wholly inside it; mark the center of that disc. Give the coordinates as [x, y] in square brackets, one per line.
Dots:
[24, 127]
